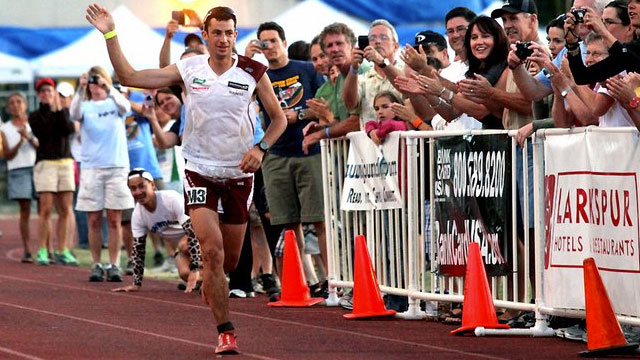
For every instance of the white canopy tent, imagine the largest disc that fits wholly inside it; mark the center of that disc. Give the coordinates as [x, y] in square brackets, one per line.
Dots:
[306, 20]
[140, 44]
[14, 70]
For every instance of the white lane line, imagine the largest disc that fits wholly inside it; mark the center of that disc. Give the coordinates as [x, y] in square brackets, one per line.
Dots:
[95, 322]
[19, 354]
[202, 307]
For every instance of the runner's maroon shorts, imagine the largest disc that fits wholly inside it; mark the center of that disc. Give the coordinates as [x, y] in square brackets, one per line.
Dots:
[230, 198]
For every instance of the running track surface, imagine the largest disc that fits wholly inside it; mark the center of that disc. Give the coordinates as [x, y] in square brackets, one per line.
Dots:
[55, 313]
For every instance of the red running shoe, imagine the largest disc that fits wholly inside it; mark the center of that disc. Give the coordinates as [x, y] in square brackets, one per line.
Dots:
[227, 344]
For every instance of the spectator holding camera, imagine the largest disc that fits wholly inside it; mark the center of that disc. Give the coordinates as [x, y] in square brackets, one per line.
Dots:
[597, 107]
[293, 179]
[359, 90]
[19, 146]
[53, 173]
[539, 86]
[101, 111]
[623, 56]
[191, 41]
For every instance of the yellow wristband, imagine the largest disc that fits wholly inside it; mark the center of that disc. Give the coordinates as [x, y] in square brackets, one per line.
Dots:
[110, 34]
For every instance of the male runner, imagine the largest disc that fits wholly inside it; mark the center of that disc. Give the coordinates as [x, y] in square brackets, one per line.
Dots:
[217, 143]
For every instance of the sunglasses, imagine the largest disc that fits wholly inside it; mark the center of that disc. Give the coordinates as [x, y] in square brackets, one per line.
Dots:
[220, 11]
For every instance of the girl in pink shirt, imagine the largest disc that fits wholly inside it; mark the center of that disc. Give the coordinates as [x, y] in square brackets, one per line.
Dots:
[387, 121]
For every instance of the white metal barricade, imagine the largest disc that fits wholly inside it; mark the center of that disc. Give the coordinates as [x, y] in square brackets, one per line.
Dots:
[395, 238]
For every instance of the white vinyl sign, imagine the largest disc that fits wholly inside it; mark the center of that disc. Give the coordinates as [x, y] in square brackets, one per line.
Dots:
[371, 176]
[591, 210]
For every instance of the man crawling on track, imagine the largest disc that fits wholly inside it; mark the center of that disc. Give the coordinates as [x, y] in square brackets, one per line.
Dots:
[162, 213]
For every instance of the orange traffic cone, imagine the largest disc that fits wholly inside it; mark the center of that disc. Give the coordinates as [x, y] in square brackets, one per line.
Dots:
[367, 300]
[295, 292]
[604, 335]
[478, 309]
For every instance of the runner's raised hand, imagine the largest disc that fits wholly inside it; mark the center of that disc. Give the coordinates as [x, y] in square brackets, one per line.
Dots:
[100, 18]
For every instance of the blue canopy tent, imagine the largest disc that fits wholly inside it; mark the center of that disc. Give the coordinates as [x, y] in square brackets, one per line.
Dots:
[408, 16]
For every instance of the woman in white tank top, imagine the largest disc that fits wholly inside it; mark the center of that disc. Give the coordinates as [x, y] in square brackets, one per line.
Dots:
[19, 146]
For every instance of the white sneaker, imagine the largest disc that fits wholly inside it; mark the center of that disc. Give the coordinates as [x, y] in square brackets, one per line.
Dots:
[168, 266]
[237, 293]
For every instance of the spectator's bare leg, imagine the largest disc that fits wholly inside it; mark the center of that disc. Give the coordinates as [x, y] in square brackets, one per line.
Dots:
[127, 238]
[44, 220]
[261, 254]
[64, 203]
[322, 242]
[95, 234]
[114, 219]
[25, 213]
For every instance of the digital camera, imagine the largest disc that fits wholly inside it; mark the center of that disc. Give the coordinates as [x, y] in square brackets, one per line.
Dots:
[148, 101]
[363, 41]
[579, 15]
[93, 79]
[523, 50]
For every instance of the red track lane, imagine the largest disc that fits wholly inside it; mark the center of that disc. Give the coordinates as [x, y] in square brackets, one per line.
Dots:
[55, 313]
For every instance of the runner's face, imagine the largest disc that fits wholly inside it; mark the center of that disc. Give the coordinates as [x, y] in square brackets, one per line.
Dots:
[221, 37]
[141, 189]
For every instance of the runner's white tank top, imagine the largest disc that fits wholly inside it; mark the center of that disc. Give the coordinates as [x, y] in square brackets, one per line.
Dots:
[218, 130]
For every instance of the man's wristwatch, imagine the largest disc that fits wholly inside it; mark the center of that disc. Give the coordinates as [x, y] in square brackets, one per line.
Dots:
[384, 64]
[634, 102]
[300, 115]
[262, 145]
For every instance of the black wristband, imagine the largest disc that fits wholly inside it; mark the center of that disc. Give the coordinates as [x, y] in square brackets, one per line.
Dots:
[225, 327]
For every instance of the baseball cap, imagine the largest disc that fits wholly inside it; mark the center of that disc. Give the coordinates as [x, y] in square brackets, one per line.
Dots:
[190, 37]
[515, 7]
[44, 81]
[428, 37]
[139, 172]
[65, 89]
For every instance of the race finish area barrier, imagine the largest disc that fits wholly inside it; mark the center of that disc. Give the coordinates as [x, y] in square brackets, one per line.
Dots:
[421, 197]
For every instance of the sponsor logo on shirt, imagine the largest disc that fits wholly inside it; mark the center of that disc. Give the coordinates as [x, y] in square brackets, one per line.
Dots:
[239, 86]
[199, 81]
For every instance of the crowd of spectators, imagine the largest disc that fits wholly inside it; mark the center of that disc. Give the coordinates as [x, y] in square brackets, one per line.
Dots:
[487, 72]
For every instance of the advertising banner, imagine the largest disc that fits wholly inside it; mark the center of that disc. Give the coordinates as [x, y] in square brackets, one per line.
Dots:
[591, 210]
[472, 201]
